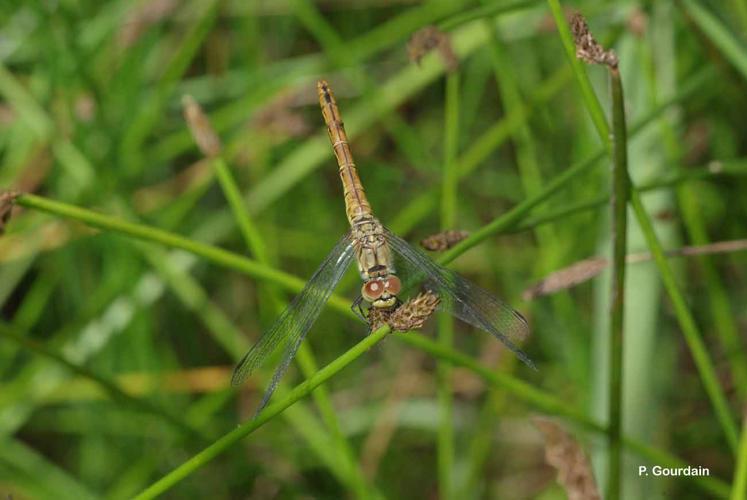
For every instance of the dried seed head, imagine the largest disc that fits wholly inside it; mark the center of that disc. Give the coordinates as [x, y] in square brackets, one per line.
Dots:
[589, 268]
[637, 22]
[280, 118]
[413, 314]
[7, 200]
[443, 241]
[200, 127]
[141, 18]
[587, 48]
[378, 317]
[425, 40]
[566, 278]
[566, 455]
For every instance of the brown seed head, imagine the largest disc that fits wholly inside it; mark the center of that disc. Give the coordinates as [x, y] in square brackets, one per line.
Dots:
[413, 314]
[587, 48]
[7, 200]
[443, 241]
[565, 454]
[566, 278]
[425, 40]
[378, 317]
[200, 128]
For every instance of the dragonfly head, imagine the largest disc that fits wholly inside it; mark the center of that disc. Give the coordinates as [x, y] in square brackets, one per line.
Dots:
[382, 292]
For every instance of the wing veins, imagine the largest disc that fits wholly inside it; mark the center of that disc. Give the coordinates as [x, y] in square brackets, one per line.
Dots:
[481, 309]
[293, 324]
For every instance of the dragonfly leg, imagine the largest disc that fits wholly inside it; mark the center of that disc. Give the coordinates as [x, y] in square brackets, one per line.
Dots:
[357, 309]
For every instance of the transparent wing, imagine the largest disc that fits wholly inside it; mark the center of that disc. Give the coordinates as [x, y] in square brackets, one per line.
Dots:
[291, 327]
[463, 299]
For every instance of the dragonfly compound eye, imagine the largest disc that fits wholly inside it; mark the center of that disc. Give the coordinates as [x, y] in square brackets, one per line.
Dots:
[392, 285]
[372, 290]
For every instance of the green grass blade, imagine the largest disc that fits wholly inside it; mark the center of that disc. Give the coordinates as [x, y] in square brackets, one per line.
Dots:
[733, 49]
[739, 484]
[690, 330]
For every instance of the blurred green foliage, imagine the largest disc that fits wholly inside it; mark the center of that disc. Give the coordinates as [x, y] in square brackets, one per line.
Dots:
[115, 353]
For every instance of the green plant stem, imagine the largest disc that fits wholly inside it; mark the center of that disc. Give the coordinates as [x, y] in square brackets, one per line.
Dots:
[300, 391]
[690, 330]
[732, 48]
[739, 485]
[294, 284]
[252, 237]
[155, 235]
[445, 322]
[617, 300]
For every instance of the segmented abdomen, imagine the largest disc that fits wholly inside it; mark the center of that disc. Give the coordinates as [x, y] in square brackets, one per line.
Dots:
[356, 203]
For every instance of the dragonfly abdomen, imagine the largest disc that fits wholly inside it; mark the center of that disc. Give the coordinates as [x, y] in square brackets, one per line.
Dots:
[356, 203]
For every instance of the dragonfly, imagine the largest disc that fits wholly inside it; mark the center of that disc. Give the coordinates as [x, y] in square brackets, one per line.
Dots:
[384, 260]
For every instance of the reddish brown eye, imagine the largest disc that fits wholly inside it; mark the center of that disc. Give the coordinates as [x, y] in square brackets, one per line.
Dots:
[372, 290]
[392, 285]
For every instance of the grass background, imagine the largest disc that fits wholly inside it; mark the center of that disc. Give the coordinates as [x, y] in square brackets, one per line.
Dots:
[115, 351]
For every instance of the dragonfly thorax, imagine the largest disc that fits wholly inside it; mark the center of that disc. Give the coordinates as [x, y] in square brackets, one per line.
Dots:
[372, 251]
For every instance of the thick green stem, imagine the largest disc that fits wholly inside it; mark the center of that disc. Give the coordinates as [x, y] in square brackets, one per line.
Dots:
[445, 322]
[690, 330]
[300, 391]
[739, 485]
[620, 191]
[155, 235]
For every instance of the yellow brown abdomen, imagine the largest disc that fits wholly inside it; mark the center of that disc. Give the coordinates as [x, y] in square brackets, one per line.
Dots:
[356, 203]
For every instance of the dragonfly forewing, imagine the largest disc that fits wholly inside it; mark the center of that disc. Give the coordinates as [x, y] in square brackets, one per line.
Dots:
[460, 297]
[290, 329]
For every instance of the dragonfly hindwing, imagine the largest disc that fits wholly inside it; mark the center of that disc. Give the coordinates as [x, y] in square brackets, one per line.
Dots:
[460, 297]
